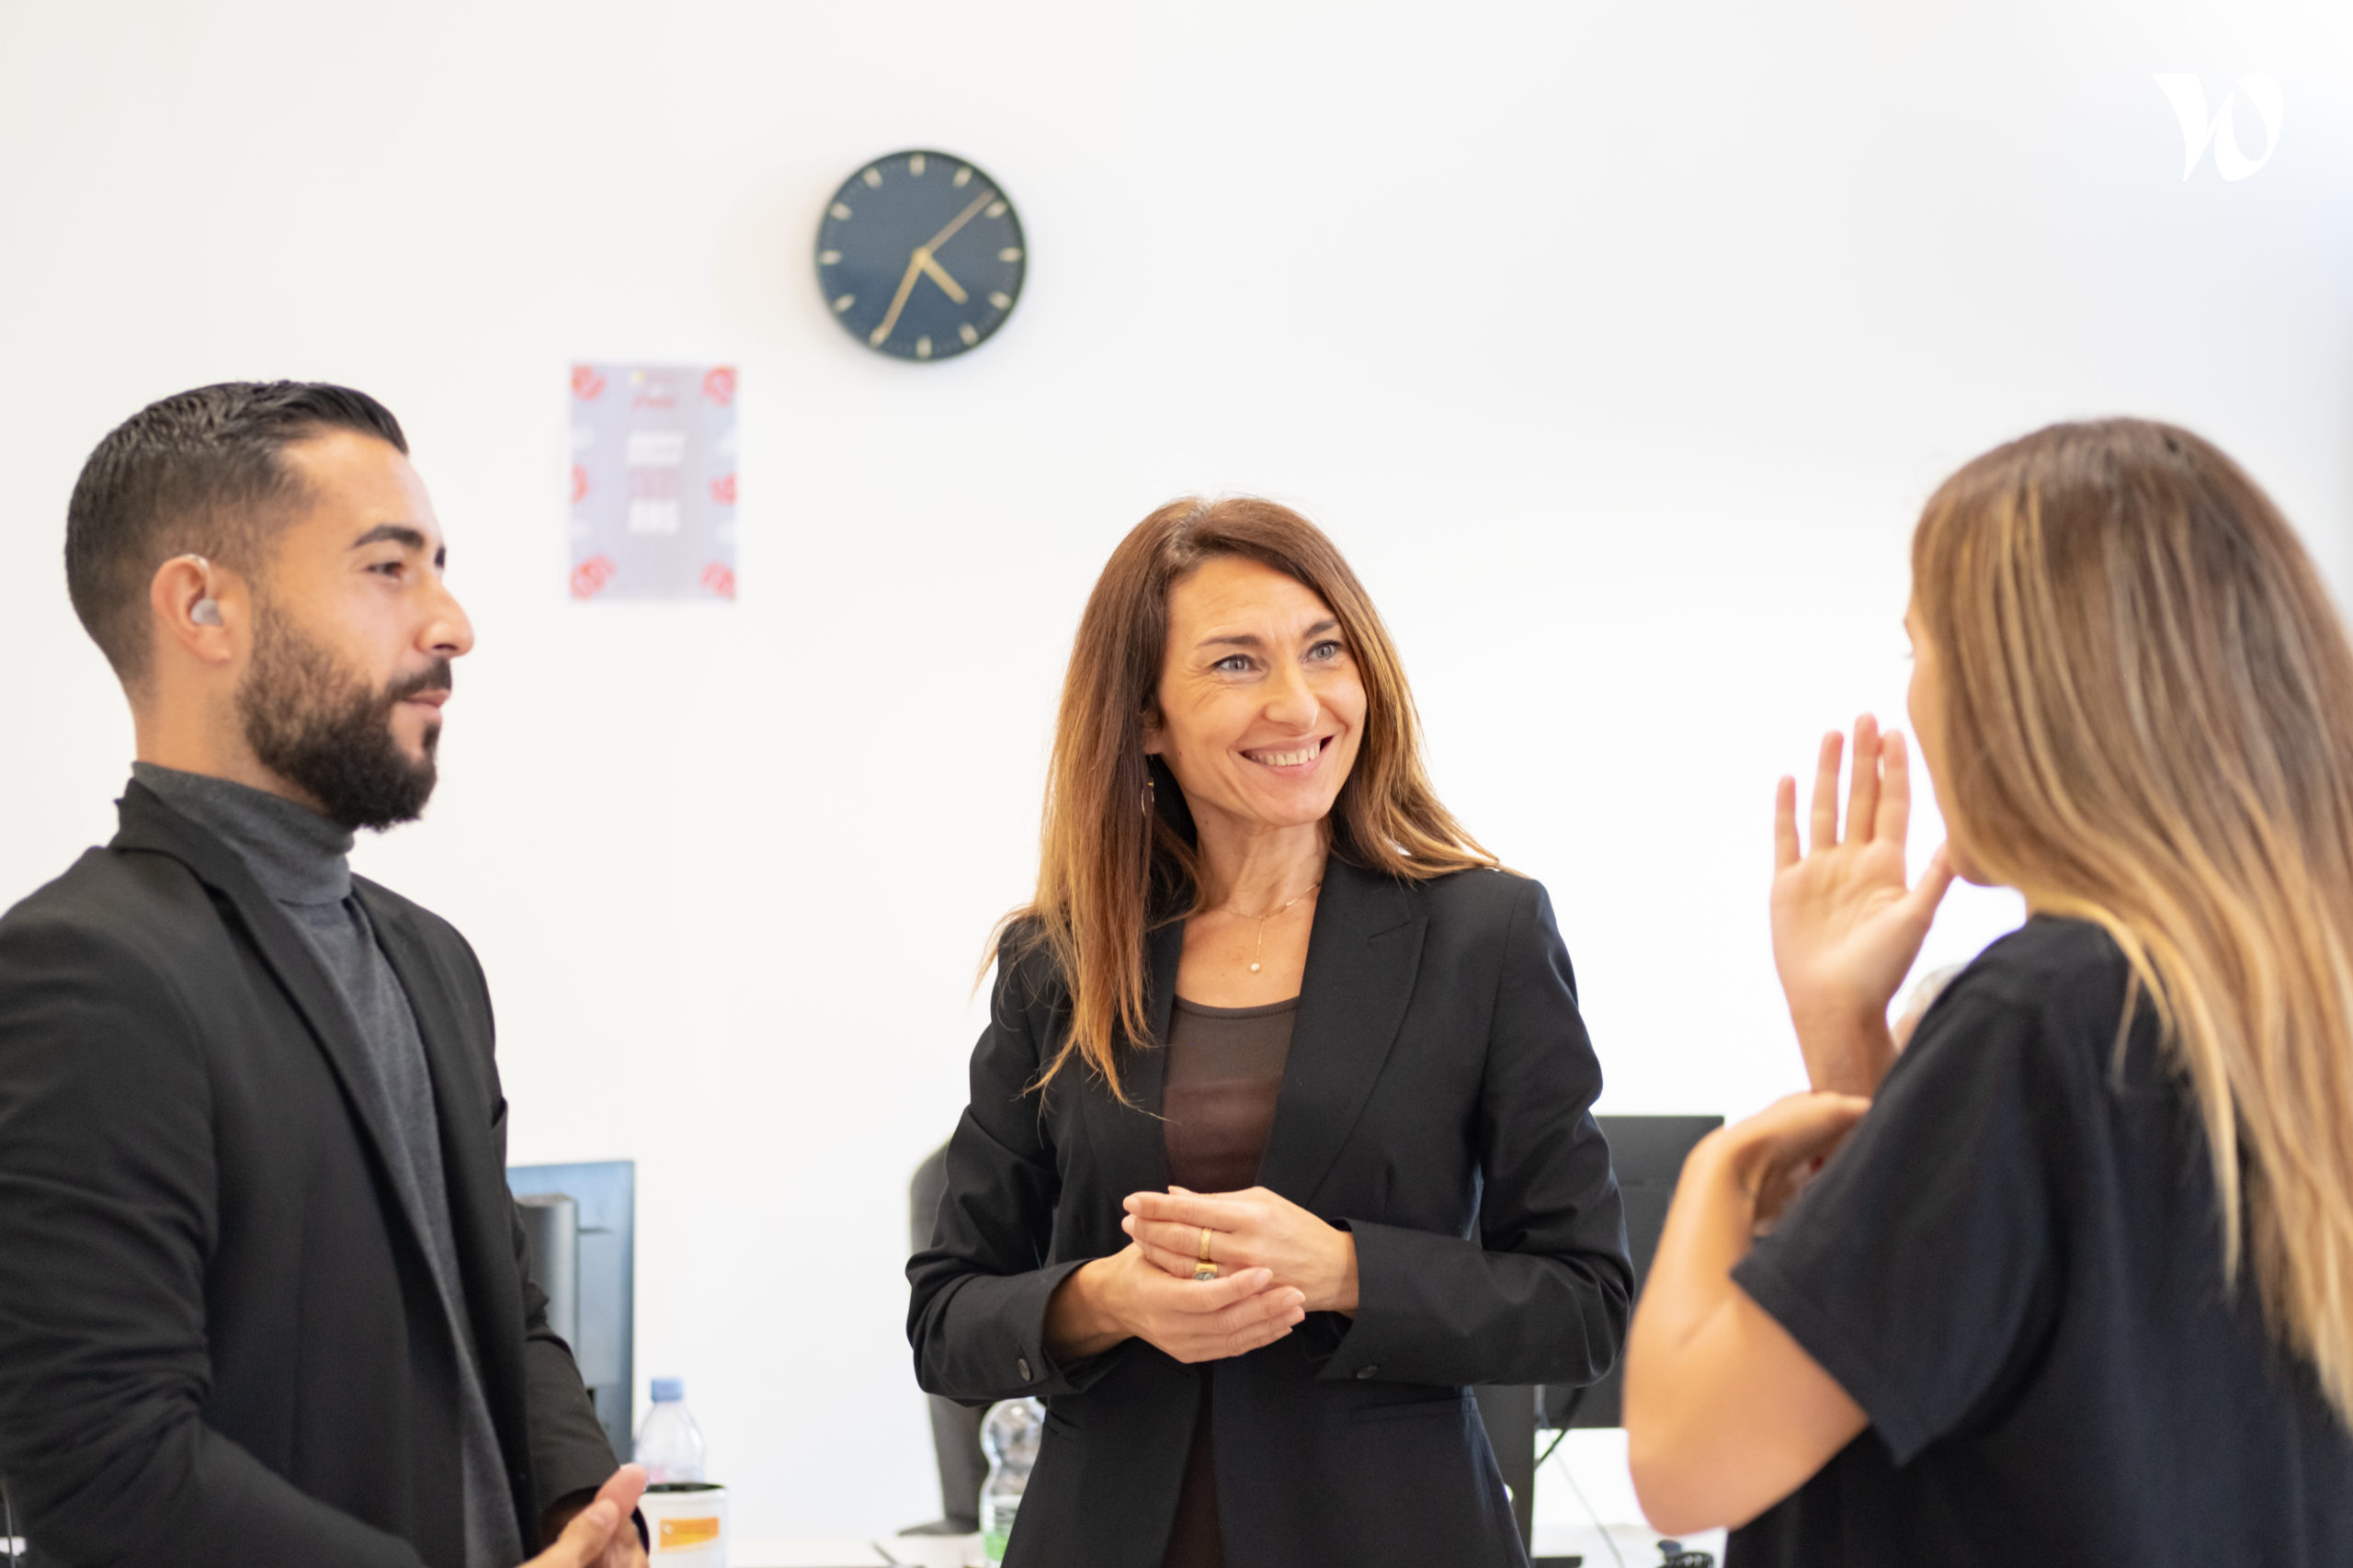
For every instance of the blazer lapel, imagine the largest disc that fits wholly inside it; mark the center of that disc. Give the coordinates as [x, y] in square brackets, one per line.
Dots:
[1362, 956]
[481, 1207]
[1129, 1149]
[151, 825]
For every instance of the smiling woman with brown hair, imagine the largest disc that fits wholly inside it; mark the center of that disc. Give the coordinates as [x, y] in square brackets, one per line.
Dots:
[1279, 1135]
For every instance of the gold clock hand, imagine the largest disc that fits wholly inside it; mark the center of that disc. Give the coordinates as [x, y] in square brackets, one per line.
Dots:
[898, 301]
[954, 290]
[962, 219]
[921, 262]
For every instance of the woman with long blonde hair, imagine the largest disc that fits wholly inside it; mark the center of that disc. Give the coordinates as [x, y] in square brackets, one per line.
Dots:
[1279, 1134]
[2078, 1285]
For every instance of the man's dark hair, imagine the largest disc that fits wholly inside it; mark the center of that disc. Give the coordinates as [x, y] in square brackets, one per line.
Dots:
[198, 473]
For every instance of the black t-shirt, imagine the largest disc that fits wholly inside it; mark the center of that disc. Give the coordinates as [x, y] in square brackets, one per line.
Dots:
[2015, 1268]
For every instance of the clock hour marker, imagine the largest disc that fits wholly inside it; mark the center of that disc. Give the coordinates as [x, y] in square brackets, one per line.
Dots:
[838, 211]
[922, 348]
[1001, 299]
[873, 178]
[996, 209]
[914, 166]
[845, 303]
[829, 259]
[963, 178]
[1010, 252]
[968, 335]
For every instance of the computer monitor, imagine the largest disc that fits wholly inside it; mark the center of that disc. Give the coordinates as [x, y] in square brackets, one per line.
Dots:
[604, 1271]
[1646, 1152]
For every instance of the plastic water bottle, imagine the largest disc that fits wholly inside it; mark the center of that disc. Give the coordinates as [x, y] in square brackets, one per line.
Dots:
[669, 1444]
[1009, 1436]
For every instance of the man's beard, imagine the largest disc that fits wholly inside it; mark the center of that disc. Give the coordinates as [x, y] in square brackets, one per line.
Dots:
[320, 729]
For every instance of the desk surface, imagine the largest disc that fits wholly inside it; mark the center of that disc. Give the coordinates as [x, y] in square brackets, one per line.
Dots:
[1636, 1547]
[852, 1552]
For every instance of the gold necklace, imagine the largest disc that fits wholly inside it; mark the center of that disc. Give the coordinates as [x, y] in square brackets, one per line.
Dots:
[1258, 947]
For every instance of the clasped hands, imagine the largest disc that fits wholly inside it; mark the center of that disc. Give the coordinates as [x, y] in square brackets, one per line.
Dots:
[1275, 1263]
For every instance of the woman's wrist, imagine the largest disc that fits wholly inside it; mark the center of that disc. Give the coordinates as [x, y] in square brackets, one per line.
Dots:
[1340, 1292]
[1083, 1317]
[1847, 1050]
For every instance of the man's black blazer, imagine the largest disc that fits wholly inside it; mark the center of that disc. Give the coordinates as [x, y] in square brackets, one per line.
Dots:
[1436, 1103]
[219, 1341]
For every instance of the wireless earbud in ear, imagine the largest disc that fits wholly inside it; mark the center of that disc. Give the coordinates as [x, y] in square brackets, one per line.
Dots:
[206, 611]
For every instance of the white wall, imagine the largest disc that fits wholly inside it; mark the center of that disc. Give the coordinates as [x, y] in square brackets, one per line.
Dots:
[1616, 343]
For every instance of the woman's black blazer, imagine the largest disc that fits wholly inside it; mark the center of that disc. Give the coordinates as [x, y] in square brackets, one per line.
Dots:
[1436, 1103]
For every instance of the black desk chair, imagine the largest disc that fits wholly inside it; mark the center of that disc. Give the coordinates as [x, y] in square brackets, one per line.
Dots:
[955, 1430]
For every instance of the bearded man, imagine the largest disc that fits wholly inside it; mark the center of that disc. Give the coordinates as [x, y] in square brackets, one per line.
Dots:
[266, 1302]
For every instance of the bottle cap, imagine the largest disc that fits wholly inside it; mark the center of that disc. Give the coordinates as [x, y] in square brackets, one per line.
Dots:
[669, 1388]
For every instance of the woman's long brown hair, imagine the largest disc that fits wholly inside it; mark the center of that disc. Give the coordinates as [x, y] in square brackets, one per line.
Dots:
[1110, 866]
[2148, 724]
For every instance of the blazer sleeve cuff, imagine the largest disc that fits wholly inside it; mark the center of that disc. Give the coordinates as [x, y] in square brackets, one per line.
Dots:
[1007, 1358]
[1388, 1334]
[570, 1452]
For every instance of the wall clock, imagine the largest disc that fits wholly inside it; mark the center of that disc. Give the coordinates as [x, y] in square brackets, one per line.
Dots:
[920, 254]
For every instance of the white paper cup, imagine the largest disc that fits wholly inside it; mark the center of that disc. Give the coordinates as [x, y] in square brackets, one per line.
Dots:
[685, 1522]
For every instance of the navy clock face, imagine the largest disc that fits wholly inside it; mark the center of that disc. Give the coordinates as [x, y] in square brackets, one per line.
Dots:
[920, 255]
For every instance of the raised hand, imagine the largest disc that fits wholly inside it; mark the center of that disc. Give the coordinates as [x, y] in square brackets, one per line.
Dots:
[1256, 1229]
[1846, 925]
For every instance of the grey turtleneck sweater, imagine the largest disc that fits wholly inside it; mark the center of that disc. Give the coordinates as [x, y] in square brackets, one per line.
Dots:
[299, 857]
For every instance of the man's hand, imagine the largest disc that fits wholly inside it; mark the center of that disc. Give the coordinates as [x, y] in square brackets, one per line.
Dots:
[1256, 1229]
[602, 1535]
[1845, 928]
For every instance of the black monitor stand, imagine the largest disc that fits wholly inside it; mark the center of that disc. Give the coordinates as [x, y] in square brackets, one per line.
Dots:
[604, 1195]
[1647, 1153]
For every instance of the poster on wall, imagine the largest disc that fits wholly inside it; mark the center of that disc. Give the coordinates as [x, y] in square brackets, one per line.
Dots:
[653, 481]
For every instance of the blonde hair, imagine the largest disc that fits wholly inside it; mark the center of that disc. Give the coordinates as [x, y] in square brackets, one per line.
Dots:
[1112, 865]
[2148, 724]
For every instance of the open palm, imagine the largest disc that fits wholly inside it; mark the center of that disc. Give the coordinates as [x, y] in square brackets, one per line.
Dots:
[1846, 925]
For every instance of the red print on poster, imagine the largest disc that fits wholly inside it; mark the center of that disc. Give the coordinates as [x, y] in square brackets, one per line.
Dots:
[579, 483]
[722, 489]
[588, 578]
[719, 384]
[719, 580]
[585, 383]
